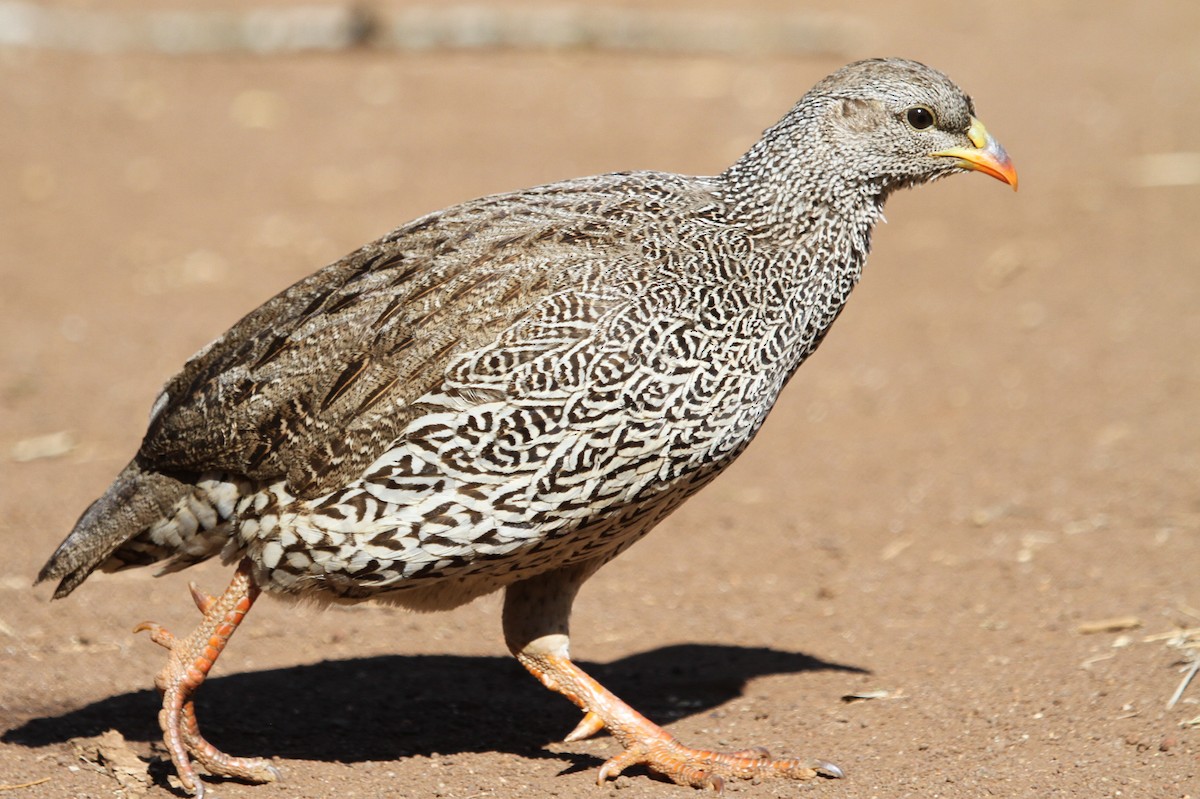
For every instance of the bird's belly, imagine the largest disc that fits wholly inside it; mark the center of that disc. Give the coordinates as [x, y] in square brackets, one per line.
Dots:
[483, 497]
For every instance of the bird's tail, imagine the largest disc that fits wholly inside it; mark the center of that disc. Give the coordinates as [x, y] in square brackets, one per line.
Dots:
[135, 501]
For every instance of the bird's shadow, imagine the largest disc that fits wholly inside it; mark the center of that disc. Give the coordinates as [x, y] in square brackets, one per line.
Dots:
[384, 708]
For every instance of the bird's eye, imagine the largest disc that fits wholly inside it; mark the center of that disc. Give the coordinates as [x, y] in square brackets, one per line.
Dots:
[919, 117]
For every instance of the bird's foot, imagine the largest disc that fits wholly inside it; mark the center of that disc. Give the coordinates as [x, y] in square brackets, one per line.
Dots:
[188, 664]
[700, 768]
[648, 744]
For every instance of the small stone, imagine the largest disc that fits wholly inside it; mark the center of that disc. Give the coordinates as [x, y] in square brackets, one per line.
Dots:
[51, 445]
[257, 109]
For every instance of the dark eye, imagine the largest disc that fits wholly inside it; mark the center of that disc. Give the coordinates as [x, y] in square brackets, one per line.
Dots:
[919, 117]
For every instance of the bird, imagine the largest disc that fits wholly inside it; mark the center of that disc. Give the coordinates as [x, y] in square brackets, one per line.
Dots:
[510, 392]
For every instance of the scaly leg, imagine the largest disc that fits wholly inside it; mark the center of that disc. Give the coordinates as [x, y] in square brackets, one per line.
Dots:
[536, 614]
[190, 660]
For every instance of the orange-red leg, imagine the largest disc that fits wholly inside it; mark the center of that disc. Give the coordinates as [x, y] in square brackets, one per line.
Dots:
[648, 744]
[535, 626]
[190, 661]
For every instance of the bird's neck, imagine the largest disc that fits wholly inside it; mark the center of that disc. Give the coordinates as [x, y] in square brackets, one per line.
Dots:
[812, 222]
[793, 186]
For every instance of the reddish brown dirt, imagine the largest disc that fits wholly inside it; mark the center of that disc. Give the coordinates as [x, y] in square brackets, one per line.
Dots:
[998, 443]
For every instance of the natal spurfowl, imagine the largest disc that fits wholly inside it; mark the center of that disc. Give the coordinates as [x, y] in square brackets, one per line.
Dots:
[510, 392]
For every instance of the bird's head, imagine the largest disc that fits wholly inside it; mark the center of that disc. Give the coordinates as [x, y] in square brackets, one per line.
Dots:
[898, 123]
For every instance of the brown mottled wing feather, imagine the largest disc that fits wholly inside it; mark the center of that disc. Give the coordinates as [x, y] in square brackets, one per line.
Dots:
[312, 385]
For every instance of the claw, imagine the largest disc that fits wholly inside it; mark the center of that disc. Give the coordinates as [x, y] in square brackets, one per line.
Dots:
[203, 599]
[588, 726]
[158, 634]
[613, 767]
[827, 769]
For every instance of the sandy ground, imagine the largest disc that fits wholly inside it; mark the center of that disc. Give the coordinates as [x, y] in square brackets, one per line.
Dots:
[997, 445]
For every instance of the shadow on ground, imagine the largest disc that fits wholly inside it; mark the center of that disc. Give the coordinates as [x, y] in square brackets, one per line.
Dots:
[383, 708]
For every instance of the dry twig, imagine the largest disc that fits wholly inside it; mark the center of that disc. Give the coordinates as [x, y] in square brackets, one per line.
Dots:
[30, 784]
[1114, 625]
[1187, 678]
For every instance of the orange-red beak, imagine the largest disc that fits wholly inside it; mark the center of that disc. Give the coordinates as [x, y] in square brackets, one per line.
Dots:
[987, 156]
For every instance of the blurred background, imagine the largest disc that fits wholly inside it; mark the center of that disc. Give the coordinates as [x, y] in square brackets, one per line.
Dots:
[981, 497]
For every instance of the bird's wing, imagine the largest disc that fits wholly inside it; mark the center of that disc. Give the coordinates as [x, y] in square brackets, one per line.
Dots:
[313, 384]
